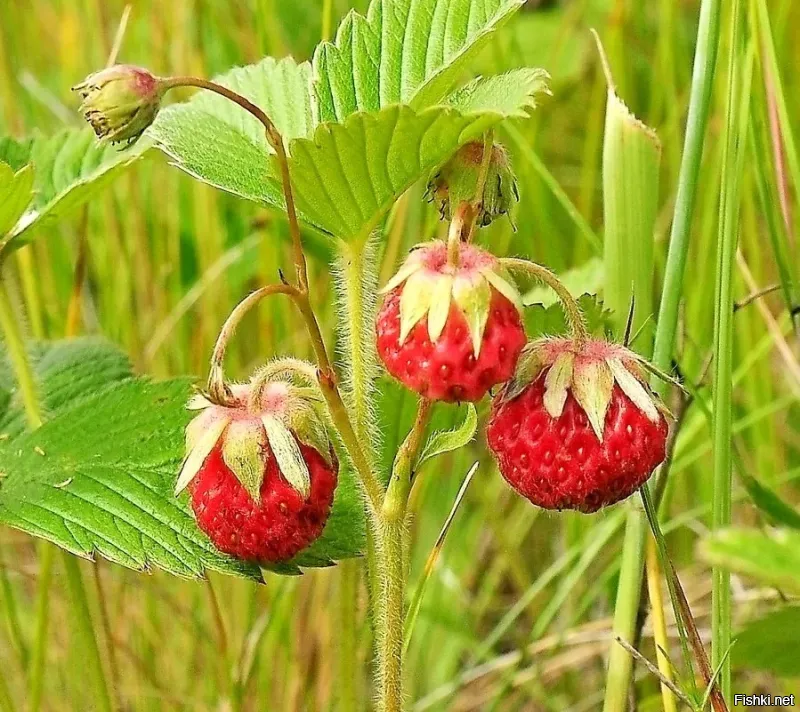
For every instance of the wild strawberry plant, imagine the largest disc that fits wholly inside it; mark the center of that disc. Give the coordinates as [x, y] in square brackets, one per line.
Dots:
[288, 467]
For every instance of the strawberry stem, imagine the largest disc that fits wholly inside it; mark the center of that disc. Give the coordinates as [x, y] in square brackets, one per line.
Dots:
[461, 227]
[390, 624]
[275, 140]
[218, 389]
[572, 309]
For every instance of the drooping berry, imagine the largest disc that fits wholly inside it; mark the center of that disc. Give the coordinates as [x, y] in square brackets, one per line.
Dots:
[577, 428]
[260, 470]
[447, 331]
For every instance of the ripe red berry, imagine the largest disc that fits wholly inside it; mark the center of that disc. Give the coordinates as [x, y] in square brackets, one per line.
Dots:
[578, 429]
[450, 332]
[260, 471]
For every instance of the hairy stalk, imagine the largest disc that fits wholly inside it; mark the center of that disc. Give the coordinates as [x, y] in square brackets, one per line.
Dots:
[632, 569]
[572, 309]
[391, 615]
[347, 699]
[356, 276]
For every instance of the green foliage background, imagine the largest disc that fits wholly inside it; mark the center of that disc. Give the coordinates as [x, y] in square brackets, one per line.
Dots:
[516, 615]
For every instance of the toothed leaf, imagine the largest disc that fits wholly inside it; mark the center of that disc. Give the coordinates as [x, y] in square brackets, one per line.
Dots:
[17, 191]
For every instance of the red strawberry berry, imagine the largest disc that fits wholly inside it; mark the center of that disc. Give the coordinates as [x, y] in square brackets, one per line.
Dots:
[261, 472]
[577, 428]
[450, 332]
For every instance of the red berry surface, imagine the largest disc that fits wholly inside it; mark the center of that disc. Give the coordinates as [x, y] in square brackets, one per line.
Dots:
[559, 463]
[448, 370]
[282, 525]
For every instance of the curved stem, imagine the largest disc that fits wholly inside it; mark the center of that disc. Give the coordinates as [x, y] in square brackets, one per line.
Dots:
[571, 307]
[220, 393]
[275, 140]
[217, 388]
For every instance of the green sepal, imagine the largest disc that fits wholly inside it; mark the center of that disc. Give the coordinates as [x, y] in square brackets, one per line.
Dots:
[473, 296]
[243, 452]
[287, 454]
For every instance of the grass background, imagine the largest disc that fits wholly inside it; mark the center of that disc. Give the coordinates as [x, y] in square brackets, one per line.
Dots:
[517, 614]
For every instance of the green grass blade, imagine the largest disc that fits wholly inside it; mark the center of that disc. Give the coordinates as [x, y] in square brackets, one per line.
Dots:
[740, 69]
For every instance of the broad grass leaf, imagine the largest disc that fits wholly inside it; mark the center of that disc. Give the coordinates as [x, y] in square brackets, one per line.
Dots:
[770, 643]
[771, 557]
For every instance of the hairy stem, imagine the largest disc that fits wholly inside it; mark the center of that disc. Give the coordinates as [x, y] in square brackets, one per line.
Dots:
[356, 280]
[348, 667]
[390, 621]
[572, 309]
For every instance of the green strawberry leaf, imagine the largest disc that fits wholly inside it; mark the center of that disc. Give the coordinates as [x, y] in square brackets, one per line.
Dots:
[442, 441]
[348, 175]
[771, 557]
[98, 476]
[403, 52]
[63, 371]
[69, 168]
[550, 320]
[217, 142]
[349, 132]
[17, 191]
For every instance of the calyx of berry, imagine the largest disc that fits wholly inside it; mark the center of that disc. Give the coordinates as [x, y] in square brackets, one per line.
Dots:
[121, 101]
[457, 181]
[589, 369]
[432, 283]
[261, 419]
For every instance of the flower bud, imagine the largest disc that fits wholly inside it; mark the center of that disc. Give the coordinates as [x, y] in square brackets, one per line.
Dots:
[457, 181]
[120, 102]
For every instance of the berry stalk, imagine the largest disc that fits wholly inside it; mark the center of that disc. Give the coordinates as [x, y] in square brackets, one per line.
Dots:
[390, 622]
[572, 309]
[275, 140]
